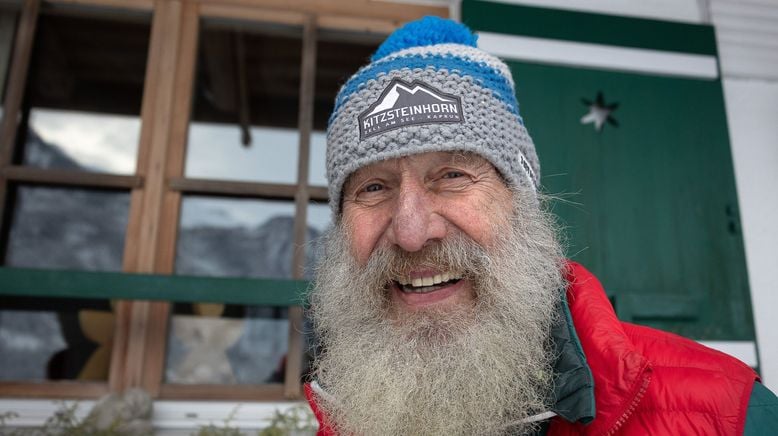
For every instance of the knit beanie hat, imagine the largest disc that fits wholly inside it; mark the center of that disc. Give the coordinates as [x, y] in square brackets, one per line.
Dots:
[429, 88]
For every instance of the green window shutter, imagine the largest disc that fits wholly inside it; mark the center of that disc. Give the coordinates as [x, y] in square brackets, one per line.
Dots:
[648, 205]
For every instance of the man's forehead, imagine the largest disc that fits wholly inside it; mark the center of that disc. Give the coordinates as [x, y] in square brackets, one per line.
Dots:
[430, 158]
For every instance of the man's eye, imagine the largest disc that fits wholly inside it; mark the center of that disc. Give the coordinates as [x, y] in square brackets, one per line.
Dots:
[453, 174]
[374, 187]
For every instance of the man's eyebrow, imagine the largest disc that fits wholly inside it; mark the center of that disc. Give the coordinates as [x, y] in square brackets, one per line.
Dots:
[467, 158]
[356, 175]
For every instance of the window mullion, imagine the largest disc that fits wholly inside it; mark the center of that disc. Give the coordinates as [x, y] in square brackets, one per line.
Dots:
[305, 123]
[152, 232]
[17, 81]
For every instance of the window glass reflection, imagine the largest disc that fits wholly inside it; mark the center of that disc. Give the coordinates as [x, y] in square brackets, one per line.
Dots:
[64, 228]
[319, 216]
[232, 344]
[245, 111]
[214, 151]
[55, 339]
[84, 91]
[317, 171]
[82, 141]
[61, 228]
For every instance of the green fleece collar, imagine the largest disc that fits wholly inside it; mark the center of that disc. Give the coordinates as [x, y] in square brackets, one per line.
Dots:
[573, 384]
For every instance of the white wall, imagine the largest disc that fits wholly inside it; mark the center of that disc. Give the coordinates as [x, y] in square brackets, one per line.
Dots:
[752, 113]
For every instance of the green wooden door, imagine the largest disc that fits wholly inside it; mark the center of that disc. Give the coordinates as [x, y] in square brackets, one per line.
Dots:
[649, 205]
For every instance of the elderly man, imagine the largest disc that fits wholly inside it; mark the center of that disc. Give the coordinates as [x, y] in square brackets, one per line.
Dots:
[444, 304]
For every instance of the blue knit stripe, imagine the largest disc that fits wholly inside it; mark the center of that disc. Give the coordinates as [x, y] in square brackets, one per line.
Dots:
[430, 30]
[484, 74]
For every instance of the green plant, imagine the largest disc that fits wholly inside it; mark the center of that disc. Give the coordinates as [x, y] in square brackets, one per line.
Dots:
[295, 421]
[298, 420]
[225, 430]
[63, 422]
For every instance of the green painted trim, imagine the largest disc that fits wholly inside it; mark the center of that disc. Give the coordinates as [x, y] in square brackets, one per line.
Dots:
[589, 27]
[124, 286]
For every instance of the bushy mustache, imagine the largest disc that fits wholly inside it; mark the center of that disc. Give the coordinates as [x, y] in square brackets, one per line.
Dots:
[457, 252]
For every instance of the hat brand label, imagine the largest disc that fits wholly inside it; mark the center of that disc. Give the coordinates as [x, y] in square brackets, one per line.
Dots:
[403, 104]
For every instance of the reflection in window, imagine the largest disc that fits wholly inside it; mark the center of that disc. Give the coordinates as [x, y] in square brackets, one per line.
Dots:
[55, 339]
[232, 344]
[214, 152]
[83, 99]
[244, 117]
[338, 55]
[82, 141]
[62, 229]
[319, 216]
[317, 171]
[65, 228]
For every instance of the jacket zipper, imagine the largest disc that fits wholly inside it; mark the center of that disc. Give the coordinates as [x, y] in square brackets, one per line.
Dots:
[632, 406]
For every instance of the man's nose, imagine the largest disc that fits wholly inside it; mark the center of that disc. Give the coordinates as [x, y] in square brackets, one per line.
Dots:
[415, 220]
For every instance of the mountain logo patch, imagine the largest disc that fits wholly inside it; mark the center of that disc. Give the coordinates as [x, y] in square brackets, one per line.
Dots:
[405, 104]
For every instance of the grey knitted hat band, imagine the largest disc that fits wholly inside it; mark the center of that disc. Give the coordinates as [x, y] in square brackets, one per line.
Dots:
[417, 97]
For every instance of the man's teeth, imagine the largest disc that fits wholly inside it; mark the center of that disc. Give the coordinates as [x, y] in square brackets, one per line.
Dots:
[421, 282]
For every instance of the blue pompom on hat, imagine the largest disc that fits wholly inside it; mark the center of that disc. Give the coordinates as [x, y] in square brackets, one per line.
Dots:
[429, 88]
[429, 30]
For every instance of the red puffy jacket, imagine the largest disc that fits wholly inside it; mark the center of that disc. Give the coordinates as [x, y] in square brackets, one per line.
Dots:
[646, 382]
[651, 382]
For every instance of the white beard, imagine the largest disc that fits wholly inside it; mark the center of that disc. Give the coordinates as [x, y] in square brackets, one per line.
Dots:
[478, 369]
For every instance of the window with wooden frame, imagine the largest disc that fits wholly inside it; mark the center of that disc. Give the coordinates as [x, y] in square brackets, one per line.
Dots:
[180, 139]
[68, 164]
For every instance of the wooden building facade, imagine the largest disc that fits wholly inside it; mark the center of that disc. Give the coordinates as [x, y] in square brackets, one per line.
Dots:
[129, 127]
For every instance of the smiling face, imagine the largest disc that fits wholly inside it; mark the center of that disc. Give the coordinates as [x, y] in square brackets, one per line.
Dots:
[437, 286]
[411, 204]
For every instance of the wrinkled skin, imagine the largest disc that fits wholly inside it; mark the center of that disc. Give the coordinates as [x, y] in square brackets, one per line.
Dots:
[469, 355]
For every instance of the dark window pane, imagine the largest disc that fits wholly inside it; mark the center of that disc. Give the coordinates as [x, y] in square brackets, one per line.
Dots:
[338, 56]
[43, 338]
[231, 344]
[244, 118]
[84, 92]
[235, 237]
[68, 229]
[55, 339]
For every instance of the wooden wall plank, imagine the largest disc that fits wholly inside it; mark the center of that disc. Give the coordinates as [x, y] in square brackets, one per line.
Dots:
[18, 173]
[144, 5]
[163, 138]
[292, 386]
[17, 77]
[229, 188]
[400, 11]
[378, 26]
[251, 13]
[155, 133]
[186, 57]
[15, 86]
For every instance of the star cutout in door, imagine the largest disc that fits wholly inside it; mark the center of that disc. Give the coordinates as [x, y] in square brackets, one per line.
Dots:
[599, 112]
